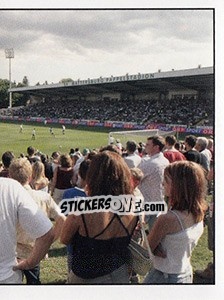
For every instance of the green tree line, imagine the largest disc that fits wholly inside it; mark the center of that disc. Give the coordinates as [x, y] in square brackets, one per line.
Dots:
[17, 99]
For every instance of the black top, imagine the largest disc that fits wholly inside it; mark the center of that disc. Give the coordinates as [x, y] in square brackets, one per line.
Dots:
[193, 155]
[96, 257]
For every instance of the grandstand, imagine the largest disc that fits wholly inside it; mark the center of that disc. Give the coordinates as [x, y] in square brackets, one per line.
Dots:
[177, 98]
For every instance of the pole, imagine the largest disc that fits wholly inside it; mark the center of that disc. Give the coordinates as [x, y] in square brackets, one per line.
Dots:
[10, 84]
[9, 53]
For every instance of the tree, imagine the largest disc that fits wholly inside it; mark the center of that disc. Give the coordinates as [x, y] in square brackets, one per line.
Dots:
[65, 80]
[4, 96]
[25, 81]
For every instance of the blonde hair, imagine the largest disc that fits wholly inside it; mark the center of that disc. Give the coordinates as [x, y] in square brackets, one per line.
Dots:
[20, 169]
[37, 171]
[137, 173]
[39, 179]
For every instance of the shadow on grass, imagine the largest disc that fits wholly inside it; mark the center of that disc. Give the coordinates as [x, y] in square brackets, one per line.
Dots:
[56, 252]
[199, 280]
[56, 282]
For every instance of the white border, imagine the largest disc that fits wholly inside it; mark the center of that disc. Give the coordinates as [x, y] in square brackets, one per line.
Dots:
[151, 292]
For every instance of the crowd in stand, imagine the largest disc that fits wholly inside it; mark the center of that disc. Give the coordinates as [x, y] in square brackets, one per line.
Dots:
[184, 110]
[97, 244]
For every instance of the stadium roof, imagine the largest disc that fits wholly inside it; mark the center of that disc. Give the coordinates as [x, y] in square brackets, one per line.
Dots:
[199, 79]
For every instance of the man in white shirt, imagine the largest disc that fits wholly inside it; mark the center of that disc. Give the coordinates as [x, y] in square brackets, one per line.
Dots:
[17, 206]
[153, 167]
[132, 159]
[21, 170]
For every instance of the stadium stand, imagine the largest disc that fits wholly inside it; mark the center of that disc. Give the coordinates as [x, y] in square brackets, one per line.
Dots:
[183, 97]
[186, 110]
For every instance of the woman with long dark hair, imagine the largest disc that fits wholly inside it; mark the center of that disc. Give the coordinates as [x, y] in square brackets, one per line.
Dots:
[101, 239]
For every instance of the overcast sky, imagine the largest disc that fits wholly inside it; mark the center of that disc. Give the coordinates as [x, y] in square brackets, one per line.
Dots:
[55, 44]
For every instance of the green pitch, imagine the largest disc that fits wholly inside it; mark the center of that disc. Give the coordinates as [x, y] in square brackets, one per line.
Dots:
[12, 140]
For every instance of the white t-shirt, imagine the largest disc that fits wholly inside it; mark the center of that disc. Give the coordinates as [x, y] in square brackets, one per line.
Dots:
[151, 185]
[17, 206]
[133, 160]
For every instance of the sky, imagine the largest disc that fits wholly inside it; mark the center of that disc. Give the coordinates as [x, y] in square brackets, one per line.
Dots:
[50, 45]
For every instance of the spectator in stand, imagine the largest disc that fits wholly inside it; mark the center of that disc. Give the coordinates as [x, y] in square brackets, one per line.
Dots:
[191, 153]
[62, 178]
[101, 239]
[39, 181]
[177, 232]
[7, 158]
[153, 167]
[18, 207]
[21, 170]
[132, 159]
[206, 156]
[31, 155]
[170, 152]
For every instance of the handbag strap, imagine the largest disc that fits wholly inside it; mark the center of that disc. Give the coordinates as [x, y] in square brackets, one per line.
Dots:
[145, 238]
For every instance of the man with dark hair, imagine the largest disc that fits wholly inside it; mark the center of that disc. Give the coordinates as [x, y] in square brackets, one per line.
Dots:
[191, 153]
[153, 167]
[31, 155]
[170, 152]
[48, 170]
[7, 157]
[132, 159]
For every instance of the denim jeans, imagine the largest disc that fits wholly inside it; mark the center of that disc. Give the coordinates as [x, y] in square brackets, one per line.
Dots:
[158, 277]
[32, 275]
[118, 276]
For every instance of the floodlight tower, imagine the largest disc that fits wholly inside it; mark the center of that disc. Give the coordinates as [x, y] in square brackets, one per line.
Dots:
[9, 53]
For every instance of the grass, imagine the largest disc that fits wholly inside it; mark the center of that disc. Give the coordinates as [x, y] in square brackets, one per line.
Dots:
[12, 140]
[54, 269]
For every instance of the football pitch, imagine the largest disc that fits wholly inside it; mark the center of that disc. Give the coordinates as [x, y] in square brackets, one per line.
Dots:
[12, 140]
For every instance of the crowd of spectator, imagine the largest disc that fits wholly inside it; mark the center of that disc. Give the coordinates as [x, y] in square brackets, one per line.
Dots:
[97, 243]
[184, 111]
